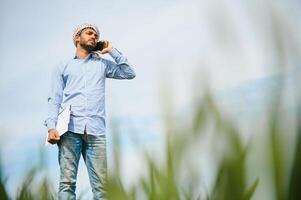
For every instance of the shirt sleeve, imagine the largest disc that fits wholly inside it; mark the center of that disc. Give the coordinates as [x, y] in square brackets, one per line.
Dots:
[120, 69]
[55, 97]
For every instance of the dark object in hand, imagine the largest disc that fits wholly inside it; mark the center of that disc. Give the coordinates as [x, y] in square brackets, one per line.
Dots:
[99, 46]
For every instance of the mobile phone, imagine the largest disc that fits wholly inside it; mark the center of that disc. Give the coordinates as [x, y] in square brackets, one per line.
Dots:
[99, 46]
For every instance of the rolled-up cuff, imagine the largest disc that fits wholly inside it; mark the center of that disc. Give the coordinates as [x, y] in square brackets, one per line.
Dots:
[50, 125]
[114, 53]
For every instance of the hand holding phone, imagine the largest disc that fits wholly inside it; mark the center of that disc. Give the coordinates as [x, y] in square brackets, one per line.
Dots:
[99, 46]
[103, 46]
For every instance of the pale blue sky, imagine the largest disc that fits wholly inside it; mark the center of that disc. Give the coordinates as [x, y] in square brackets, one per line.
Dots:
[224, 42]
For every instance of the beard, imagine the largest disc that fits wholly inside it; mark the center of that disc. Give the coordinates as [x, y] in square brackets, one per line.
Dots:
[87, 45]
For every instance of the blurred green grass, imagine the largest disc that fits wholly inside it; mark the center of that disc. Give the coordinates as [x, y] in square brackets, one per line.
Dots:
[163, 180]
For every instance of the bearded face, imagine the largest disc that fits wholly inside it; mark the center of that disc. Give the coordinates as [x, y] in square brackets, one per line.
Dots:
[87, 39]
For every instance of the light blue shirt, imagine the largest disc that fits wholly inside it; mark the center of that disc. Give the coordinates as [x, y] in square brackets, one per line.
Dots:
[81, 84]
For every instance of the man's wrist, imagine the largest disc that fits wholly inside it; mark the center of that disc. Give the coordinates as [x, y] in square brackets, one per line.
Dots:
[111, 50]
[49, 130]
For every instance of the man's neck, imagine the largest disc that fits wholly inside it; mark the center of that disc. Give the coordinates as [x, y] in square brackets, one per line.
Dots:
[81, 52]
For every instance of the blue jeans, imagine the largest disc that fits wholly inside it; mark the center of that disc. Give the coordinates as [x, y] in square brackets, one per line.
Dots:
[93, 150]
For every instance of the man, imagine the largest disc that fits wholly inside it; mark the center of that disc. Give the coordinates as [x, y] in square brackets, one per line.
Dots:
[80, 82]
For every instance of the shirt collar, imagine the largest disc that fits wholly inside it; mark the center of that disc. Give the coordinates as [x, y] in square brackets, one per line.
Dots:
[90, 55]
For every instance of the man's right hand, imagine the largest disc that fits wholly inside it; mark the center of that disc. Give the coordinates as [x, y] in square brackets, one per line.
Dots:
[53, 136]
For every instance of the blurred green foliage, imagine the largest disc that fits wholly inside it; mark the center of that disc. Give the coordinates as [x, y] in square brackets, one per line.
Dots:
[163, 180]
